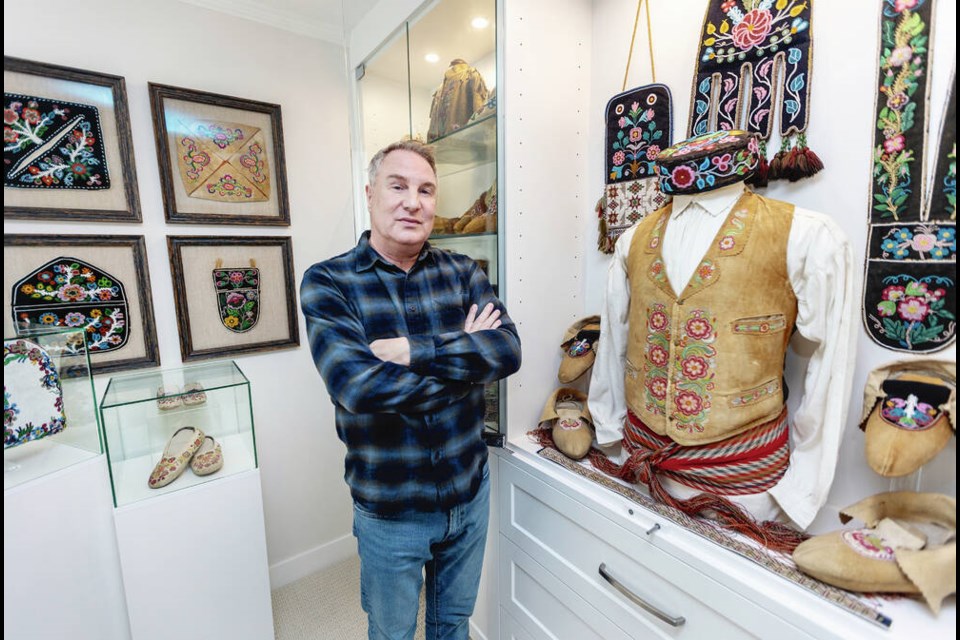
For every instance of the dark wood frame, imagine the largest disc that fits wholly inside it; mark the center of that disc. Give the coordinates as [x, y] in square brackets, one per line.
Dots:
[187, 349]
[128, 168]
[137, 246]
[160, 92]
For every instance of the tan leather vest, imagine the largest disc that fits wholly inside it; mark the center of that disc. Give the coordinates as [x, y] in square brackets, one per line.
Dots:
[708, 364]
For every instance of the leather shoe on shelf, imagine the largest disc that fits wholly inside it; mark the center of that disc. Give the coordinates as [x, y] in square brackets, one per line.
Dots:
[193, 394]
[579, 348]
[167, 398]
[208, 458]
[176, 456]
[568, 416]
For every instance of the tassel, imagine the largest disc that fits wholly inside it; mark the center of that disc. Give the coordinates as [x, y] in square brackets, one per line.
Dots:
[761, 176]
[604, 244]
[808, 163]
[776, 164]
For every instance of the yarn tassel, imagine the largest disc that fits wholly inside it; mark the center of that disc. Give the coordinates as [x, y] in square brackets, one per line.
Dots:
[761, 176]
[604, 243]
[776, 164]
[807, 162]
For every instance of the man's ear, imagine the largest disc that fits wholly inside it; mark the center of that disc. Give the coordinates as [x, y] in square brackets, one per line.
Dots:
[369, 193]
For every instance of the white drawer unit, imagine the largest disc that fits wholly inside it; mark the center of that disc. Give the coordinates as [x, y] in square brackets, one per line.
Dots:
[578, 561]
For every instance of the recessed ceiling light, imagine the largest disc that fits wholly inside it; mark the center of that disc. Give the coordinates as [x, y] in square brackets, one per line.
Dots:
[431, 57]
[480, 23]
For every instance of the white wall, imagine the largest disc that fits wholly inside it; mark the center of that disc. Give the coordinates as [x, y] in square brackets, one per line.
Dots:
[306, 503]
[841, 129]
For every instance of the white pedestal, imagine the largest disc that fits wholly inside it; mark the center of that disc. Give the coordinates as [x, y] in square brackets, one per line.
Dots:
[61, 571]
[195, 562]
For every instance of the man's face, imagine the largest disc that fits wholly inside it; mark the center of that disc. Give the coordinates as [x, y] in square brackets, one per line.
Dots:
[402, 202]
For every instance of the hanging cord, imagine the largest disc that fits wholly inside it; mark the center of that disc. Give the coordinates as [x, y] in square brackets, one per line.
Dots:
[633, 37]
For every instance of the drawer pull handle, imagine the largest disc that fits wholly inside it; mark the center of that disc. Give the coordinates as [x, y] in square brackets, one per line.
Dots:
[646, 606]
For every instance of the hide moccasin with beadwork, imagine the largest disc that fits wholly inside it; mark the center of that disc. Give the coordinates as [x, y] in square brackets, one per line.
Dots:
[176, 456]
[910, 417]
[208, 458]
[579, 348]
[909, 545]
[167, 398]
[193, 394]
[567, 415]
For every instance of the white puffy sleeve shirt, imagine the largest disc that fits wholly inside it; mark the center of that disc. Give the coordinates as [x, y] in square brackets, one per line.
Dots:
[821, 272]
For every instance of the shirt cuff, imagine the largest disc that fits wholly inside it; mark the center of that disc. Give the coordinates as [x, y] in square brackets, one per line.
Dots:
[422, 351]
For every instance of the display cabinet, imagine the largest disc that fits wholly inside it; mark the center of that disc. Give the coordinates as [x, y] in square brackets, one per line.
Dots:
[141, 414]
[435, 79]
[49, 406]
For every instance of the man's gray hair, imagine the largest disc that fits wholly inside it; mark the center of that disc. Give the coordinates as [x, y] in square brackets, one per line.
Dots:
[415, 146]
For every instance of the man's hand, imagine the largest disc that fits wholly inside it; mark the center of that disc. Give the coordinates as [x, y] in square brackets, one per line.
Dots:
[488, 319]
[395, 350]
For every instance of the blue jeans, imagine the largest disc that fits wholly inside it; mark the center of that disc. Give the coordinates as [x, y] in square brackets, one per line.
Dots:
[393, 553]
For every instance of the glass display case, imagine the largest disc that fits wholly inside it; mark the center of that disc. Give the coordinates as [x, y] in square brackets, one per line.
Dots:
[435, 79]
[49, 405]
[193, 424]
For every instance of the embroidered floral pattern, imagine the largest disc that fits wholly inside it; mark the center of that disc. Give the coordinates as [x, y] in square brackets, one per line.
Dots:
[912, 311]
[657, 359]
[868, 543]
[708, 162]
[911, 413]
[255, 162]
[924, 242]
[27, 366]
[238, 296]
[756, 394]
[49, 144]
[734, 229]
[694, 364]
[221, 135]
[903, 67]
[760, 39]
[223, 161]
[67, 292]
[194, 158]
[760, 325]
[229, 187]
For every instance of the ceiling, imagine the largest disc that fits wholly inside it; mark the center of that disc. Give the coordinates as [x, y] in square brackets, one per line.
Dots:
[322, 19]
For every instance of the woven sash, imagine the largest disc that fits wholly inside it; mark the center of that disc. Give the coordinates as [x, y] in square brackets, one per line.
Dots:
[751, 462]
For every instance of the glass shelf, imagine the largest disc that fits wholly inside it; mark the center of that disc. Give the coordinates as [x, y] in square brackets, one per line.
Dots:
[471, 145]
[138, 427]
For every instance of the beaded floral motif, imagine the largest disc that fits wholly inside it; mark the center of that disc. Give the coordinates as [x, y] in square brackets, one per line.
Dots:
[223, 161]
[760, 325]
[207, 462]
[635, 147]
[910, 413]
[238, 297]
[694, 366]
[759, 39]
[26, 362]
[719, 167]
[913, 312]
[928, 241]
[67, 292]
[868, 543]
[52, 144]
[756, 394]
[657, 359]
[170, 467]
[229, 187]
[733, 230]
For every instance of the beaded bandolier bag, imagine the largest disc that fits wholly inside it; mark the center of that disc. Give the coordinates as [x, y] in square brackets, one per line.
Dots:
[909, 299]
[754, 63]
[639, 124]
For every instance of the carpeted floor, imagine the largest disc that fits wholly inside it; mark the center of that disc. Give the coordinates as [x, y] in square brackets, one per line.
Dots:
[325, 606]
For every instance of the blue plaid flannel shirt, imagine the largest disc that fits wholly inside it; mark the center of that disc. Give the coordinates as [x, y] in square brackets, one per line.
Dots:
[413, 433]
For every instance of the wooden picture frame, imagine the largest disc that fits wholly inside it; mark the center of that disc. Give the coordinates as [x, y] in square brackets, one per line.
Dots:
[234, 295]
[100, 283]
[221, 158]
[68, 150]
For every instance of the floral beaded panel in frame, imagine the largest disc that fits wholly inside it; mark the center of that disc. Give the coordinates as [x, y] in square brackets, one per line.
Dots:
[221, 158]
[234, 295]
[67, 150]
[99, 284]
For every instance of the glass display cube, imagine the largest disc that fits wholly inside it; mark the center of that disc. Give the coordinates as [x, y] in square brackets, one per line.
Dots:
[141, 414]
[49, 405]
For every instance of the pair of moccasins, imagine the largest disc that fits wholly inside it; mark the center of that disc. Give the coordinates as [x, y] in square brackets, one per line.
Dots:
[191, 395]
[566, 412]
[909, 545]
[187, 447]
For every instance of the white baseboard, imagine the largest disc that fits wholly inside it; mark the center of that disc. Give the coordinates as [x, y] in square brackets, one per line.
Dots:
[311, 561]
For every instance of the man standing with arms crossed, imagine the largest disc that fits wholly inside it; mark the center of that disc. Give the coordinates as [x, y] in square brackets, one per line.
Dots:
[405, 336]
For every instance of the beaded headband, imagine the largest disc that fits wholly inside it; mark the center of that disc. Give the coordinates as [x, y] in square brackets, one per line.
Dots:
[708, 162]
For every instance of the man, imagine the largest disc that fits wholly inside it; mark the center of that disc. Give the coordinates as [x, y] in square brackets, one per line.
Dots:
[404, 336]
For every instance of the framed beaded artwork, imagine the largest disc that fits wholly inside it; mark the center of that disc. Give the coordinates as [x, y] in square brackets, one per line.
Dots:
[233, 295]
[67, 149]
[96, 283]
[221, 158]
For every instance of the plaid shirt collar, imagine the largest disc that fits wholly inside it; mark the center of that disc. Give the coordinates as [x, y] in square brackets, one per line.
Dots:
[367, 256]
